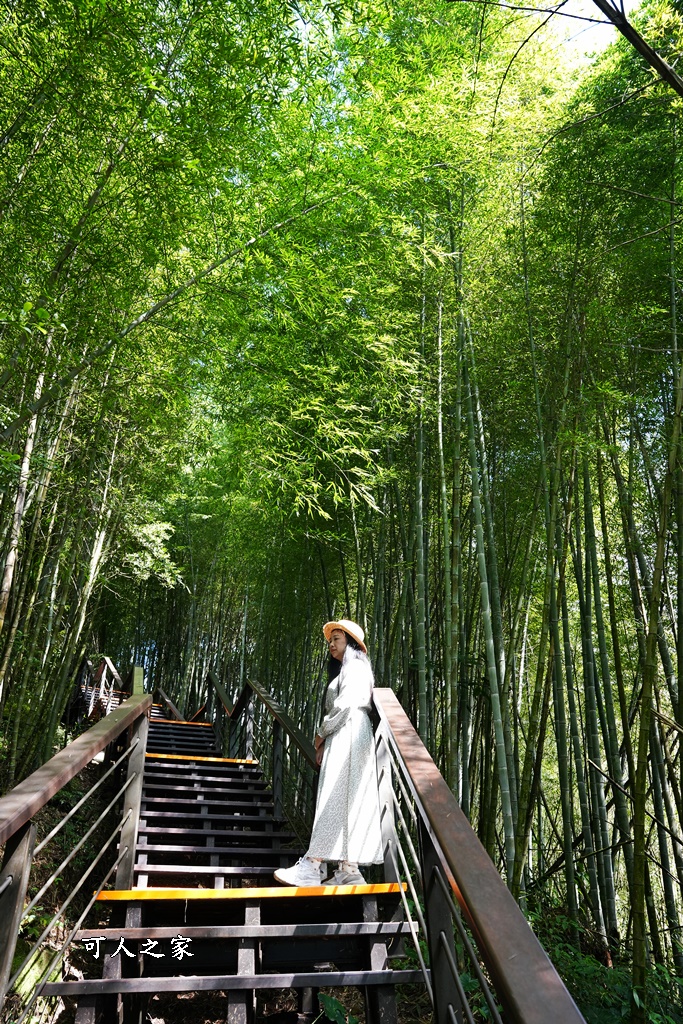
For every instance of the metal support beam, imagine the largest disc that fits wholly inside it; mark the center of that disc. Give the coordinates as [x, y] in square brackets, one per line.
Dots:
[125, 876]
[448, 1004]
[380, 1000]
[278, 769]
[242, 1004]
[249, 742]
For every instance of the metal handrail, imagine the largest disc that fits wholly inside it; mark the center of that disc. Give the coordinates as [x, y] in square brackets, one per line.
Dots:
[26, 799]
[523, 978]
[452, 863]
[20, 805]
[287, 753]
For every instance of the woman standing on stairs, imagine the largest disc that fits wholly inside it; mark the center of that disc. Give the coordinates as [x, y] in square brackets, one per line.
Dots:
[346, 828]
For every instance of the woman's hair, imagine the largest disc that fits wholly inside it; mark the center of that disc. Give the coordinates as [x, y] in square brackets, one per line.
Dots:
[353, 650]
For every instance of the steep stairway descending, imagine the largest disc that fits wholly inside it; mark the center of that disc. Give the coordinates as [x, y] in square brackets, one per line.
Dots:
[204, 913]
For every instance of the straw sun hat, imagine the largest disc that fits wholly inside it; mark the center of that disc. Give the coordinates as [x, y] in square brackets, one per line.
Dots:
[352, 628]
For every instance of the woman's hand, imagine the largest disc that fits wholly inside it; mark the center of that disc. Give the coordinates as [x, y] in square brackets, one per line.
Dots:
[319, 748]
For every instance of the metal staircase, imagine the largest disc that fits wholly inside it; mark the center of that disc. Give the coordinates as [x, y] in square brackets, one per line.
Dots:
[204, 813]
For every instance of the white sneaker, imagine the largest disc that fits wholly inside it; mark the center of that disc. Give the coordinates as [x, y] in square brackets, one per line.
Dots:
[305, 873]
[341, 877]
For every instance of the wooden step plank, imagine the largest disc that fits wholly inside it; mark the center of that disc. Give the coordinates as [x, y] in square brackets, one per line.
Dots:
[203, 869]
[230, 768]
[183, 750]
[182, 732]
[188, 757]
[231, 982]
[195, 744]
[271, 892]
[150, 801]
[214, 816]
[236, 773]
[210, 796]
[240, 784]
[175, 722]
[253, 931]
[267, 833]
[222, 851]
[150, 786]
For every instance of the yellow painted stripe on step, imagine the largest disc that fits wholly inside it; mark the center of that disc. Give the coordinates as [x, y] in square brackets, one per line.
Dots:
[193, 757]
[273, 892]
[176, 721]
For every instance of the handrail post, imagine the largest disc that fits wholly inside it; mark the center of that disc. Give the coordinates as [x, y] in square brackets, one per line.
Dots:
[138, 680]
[14, 876]
[249, 739]
[125, 875]
[439, 934]
[233, 739]
[278, 752]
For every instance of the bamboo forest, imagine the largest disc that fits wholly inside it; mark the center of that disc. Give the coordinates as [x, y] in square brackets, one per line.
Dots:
[369, 311]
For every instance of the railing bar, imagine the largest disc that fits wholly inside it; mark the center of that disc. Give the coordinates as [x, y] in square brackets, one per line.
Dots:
[413, 891]
[39, 988]
[6, 884]
[456, 977]
[394, 751]
[451, 1014]
[79, 844]
[65, 904]
[80, 803]
[462, 931]
[416, 859]
[416, 943]
[20, 804]
[398, 773]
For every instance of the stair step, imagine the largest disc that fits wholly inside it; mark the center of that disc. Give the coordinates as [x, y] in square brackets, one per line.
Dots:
[184, 749]
[183, 725]
[271, 892]
[268, 833]
[223, 851]
[214, 808]
[188, 816]
[244, 799]
[255, 784]
[251, 782]
[193, 745]
[153, 786]
[232, 982]
[162, 755]
[239, 871]
[254, 931]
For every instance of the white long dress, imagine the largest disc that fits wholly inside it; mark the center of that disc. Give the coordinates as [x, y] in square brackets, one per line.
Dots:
[347, 814]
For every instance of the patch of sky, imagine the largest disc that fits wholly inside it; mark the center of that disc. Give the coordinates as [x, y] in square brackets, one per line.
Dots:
[582, 30]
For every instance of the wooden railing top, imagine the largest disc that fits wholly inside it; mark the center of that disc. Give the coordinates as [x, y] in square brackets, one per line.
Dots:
[299, 738]
[108, 663]
[170, 705]
[22, 802]
[220, 690]
[288, 724]
[525, 981]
